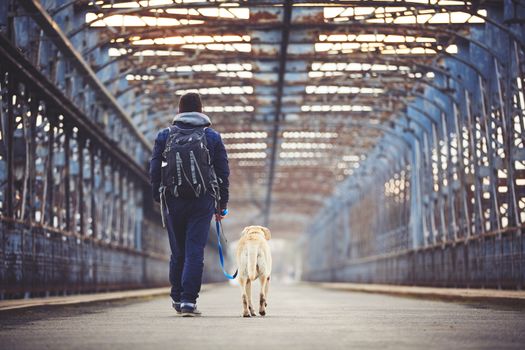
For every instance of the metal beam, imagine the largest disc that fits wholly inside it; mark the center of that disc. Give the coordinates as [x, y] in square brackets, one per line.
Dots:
[287, 18]
[54, 32]
[53, 96]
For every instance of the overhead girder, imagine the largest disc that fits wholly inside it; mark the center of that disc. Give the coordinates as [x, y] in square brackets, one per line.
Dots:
[191, 80]
[155, 97]
[177, 61]
[146, 68]
[208, 56]
[158, 89]
[394, 108]
[169, 89]
[370, 59]
[239, 55]
[304, 23]
[248, 97]
[450, 32]
[210, 19]
[214, 100]
[410, 61]
[147, 34]
[267, 4]
[254, 3]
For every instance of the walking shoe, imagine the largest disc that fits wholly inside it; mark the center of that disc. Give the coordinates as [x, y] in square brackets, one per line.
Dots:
[189, 310]
[176, 306]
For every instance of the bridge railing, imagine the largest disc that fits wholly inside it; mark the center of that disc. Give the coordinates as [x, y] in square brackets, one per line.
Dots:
[450, 210]
[74, 216]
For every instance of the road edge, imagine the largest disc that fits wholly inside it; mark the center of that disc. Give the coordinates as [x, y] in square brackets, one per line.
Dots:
[508, 297]
[12, 304]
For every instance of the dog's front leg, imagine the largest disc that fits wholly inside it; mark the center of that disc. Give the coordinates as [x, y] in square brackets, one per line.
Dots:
[245, 311]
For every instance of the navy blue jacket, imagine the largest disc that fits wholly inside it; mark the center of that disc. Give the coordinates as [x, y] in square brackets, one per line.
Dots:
[219, 158]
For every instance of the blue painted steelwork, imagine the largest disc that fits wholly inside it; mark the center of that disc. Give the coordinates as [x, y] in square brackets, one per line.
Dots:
[76, 213]
[425, 116]
[450, 209]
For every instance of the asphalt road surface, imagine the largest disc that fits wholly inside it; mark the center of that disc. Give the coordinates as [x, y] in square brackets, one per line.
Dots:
[299, 317]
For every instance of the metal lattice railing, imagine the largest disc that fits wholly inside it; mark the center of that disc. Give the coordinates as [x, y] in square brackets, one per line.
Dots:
[451, 211]
[73, 217]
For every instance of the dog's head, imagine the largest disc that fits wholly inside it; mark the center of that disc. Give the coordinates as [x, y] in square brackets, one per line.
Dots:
[257, 229]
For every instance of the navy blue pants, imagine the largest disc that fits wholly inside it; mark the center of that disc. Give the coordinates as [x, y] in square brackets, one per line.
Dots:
[188, 224]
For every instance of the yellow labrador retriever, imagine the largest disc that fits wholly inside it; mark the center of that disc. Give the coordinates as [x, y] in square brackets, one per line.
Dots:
[254, 261]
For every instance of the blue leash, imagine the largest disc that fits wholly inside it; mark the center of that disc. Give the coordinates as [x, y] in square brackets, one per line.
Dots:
[221, 256]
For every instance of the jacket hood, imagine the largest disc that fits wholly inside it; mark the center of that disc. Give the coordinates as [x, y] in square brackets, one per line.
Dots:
[193, 118]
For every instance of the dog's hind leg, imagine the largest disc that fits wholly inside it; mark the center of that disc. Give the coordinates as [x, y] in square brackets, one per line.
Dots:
[264, 294]
[249, 294]
[266, 287]
[245, 311]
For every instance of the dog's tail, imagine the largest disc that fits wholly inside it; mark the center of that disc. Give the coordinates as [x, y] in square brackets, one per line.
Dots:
[252, 261]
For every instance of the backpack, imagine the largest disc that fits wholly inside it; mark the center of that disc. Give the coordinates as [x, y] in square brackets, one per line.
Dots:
[187, 171]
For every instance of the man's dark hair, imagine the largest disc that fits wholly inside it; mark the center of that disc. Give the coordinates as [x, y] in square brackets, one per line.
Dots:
[190, 102]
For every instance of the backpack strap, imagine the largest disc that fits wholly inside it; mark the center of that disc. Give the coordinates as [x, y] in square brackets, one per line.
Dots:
[171, 135]
[163, 204]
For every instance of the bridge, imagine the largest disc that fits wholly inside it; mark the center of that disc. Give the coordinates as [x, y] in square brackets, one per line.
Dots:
[382, 142]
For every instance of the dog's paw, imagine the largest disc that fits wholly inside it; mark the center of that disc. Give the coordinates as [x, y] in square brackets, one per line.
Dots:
[262, 312]
[246, 314]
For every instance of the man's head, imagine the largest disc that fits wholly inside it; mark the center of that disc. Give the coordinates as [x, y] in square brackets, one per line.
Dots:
[190, 102]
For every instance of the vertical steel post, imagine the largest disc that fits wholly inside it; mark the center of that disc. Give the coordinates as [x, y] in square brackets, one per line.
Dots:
[81, 146]
[50, 176]
[9, 137]
[67, 171]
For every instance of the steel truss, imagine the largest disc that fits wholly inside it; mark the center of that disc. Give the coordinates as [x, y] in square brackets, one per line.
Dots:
[73, 217]
[412, 111]
[452, 212]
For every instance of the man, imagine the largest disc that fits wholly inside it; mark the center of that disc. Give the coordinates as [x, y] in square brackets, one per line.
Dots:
[188, 217]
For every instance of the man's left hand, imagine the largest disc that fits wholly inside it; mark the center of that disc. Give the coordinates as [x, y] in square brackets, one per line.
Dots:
[219, 216]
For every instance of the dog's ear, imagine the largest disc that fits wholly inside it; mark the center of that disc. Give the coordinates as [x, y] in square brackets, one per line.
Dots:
[267, 233]
[245, 230]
